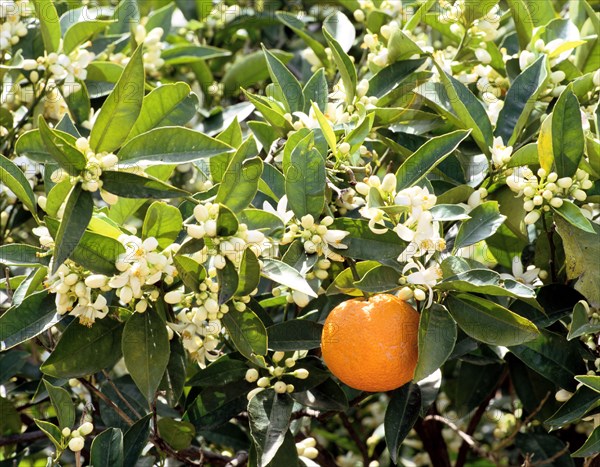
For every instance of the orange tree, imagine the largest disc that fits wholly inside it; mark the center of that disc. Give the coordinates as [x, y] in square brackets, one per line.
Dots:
[190, 188]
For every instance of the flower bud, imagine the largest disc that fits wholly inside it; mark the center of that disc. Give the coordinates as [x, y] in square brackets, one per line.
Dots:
[66, 432]
[86, 428]
[565, 182]
[252, 375]
[311, 453]
[280, 387]
[359, 15]
[389, 183]
[579, 195]
[278, 356]
[528, 205]
[420, 295]
[254, 392]
[174, 297]
[344, 148]
[76, 444]
[96, 281]
[532, 217]
[201, 213]
[263, 382]
[210, 227]
[301, 373]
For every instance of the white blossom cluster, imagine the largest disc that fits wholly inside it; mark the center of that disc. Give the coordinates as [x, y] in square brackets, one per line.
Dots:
[12, 27]
[545, 190]
[281, 367]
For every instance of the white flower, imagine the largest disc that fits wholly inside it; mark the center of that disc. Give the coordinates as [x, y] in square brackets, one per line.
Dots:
[376, 217]
[530, 276]
[427, 277]
[500, 153]
[281, 212]
[423, 239]
[89, 313]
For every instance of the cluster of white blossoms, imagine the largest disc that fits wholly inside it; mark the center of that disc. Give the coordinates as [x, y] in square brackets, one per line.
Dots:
[76, 438]
[501, 154]
[546, 190]
[414, 224]
[282, 367]
[219, 248]
[317, 237]
[12, 27]
[153, 48]
[61, 67]
[557, 50]
[95, 165]
[75, 296]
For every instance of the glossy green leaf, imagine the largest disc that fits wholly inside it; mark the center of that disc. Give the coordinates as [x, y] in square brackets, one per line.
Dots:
[239, 187]
[573, 215]
[489, 322]
[283, 274]
[485, 221]
[177, 434]
[364, 244]
[568, 142]
[188, 53]
[552, 356]
[591, 446]
[121, 108]
[584, 400]
[107, 449]
[61, 150]
[249, 273]
[62, 403]
[269, 415]
[247, 332]
[297, 334]
[379, 279]
[51, 431]
[14, 179]
[171, 145]
[135, 440]
[76, 218]
[129, 185]
[169, 105]
[437, 336]
[17, 254]
[163, 222]
[520, 100]
[146, 350]
[80, 32]
[400, 416]
[83, 351]
[288, 84]
[34, 315]
[340, 57]
[427, 157]
[592, 382]
[49, 24]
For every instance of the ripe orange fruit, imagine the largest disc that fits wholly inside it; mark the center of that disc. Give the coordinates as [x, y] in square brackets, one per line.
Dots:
[372, 345]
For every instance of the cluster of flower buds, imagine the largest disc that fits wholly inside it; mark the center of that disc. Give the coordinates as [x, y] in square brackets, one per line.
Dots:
[12, 28]
[307, 448]
[76, 438]
[281, 367]
[316, 237]
[546, 190]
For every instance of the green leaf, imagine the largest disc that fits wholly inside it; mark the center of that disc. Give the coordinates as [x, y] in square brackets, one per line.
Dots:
[379, 279]
[146, 350]
[283, 274]
[61, 150]
[169, 105]
[469, 110]
[437, 336]
[591, 446]
[297, 334]
[31, 145]
[14, 179]
[584, 400]
[183, 54]
[305, 180]
[390, 78]
[580, 323]
[107, 449]
[79, 33]
[135, 440]
[520, 101]
[247, 332]
[249, 70]
[228, 282]
[269, 415]
[190, 271]
[162, 222]
[95, 252]
[427, 157]
[34, 315]
[49, 24]
[76, 218]
[485, 221]
[573, 215]
[364, 244]
[342, 61]
[485, 281]
[489, 322]
[10, 423]
[129, 185]
[553, 357]
[325, 397]
[222, 371]
[215, 405]
[592, 382]
[581, 251]
[316, 91]
[288, 84]
[568, 141]
[249, 273]
[62, 403]
[121, 108]
[174, 378]
[298, 26]
[51, 431]
[525, 155]
[83, 351]
[16, 254]
[239, 187]
[400, 417]
[171, 145]
[177, 434]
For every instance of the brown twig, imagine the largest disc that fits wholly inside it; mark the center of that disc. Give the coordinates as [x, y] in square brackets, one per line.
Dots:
[120, 395]
[430, 434]
[22, 438]
[362, 447]
[90, 387]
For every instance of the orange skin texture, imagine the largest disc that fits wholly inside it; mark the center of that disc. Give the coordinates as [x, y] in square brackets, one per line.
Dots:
[372, 345]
